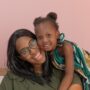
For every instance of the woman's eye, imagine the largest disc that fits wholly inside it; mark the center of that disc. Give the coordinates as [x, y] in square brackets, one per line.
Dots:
[23, 51]
[48, 35]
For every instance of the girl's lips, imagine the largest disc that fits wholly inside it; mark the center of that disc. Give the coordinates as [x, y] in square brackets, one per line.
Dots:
[46, 45]
[46, 48]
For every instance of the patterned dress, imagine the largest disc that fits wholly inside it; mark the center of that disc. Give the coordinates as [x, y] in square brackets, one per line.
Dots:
[80, 64]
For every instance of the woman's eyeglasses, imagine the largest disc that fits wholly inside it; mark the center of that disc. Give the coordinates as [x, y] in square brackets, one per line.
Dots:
[27, 50]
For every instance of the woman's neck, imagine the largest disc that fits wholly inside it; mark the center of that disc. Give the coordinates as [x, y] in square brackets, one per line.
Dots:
[38, 69]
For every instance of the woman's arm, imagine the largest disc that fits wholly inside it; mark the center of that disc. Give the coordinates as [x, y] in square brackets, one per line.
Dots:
[69, 66]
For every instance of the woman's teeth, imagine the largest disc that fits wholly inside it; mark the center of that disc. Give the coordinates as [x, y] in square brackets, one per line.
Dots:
[38, 55]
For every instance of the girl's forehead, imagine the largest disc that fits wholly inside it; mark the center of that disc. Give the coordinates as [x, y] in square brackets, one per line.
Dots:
[44, 27]
[46, 24]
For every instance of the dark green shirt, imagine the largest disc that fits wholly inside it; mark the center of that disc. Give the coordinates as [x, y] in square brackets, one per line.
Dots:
[14, 82]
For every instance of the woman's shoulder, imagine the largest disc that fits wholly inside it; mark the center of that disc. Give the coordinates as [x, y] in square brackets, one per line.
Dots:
[11, 80]
[11, 76]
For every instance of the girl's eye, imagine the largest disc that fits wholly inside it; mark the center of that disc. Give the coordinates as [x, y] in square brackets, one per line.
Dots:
[39, 37]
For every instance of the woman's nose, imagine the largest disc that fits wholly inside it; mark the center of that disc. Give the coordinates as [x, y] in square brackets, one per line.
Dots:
[32, 51]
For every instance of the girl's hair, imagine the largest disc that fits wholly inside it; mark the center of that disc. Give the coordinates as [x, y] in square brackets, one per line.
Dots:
[20, 67]
[51, 17]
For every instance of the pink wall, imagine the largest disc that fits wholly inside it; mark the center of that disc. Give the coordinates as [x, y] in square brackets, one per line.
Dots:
[73, 18]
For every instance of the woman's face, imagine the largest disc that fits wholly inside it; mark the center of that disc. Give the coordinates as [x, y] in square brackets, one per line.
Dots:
[29, 51]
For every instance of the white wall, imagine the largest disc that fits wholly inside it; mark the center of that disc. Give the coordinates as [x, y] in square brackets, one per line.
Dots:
[1, 77]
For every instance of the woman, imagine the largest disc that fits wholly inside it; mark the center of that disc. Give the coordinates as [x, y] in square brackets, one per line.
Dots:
[28, 67]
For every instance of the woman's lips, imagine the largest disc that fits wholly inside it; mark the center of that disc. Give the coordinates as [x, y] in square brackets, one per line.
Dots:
[38, 56]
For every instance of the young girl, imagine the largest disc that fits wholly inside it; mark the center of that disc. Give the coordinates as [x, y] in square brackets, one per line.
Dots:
[65, 55]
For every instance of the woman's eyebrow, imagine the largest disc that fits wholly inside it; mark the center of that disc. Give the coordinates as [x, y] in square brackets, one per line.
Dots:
[30, 41]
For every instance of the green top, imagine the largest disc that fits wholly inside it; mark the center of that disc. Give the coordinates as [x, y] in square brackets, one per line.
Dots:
[14, 82]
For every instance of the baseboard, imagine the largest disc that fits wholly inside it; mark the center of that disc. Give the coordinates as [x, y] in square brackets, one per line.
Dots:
[3, 71]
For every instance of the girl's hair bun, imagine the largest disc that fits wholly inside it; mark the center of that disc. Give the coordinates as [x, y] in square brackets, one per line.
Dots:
[37, 20]
[52, 15]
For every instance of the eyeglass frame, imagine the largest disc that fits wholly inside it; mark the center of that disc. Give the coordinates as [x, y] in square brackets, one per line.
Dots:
[26, 51]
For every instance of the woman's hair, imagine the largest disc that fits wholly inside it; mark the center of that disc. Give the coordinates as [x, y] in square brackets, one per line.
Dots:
[51, 17]
[20, 67]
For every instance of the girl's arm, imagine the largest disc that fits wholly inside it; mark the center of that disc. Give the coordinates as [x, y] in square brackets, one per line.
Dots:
[69, 66]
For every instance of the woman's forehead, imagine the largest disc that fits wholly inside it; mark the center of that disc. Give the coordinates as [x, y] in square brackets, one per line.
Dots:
[22, 42]
[23, 39]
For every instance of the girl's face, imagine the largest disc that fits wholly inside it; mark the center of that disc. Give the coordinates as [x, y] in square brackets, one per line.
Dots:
[47, 36]
[29, 51]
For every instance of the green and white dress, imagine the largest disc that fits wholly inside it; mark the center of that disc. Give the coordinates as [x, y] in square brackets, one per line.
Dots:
[79, 63]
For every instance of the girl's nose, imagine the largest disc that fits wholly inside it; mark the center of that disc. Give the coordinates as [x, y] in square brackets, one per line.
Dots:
[45, 40]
